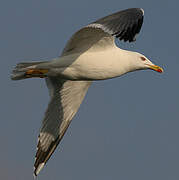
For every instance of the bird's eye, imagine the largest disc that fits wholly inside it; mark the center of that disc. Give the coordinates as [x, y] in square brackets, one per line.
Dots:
[143, 58]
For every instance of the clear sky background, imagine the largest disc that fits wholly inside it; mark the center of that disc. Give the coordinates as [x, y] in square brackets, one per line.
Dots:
[126, 128]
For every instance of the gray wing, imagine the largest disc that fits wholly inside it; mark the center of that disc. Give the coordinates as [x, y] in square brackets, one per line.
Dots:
[66, 97]
[124, 25]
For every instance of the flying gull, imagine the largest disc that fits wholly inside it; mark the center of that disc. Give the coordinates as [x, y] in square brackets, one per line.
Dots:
[91, 54]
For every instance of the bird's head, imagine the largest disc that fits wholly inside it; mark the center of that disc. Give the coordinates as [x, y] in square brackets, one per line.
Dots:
[145, 63]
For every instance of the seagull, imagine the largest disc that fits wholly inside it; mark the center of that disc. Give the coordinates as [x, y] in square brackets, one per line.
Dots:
[90, 55]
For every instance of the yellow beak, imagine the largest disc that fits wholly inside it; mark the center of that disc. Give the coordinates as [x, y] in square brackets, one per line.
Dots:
[156, 68]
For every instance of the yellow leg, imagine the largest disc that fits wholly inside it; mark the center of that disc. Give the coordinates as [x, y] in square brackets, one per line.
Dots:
[36, 73]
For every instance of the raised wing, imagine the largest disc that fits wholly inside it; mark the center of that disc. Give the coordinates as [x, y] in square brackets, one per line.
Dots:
[66, 97]
[124, 25]
[88, 38]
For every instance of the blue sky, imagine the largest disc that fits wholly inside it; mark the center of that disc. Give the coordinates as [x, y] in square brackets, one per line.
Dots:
[126, 128]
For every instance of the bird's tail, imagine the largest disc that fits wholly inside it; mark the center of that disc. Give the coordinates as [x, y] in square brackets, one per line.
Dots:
[28, 70]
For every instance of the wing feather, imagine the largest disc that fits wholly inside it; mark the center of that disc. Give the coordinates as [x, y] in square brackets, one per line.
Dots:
[122, 21]
[124, 25]
[66, 97]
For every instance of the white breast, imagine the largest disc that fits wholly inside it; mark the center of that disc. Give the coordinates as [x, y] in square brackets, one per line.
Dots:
[97, 65]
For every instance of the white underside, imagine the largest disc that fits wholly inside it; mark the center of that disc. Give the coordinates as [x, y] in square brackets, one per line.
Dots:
[93, 65]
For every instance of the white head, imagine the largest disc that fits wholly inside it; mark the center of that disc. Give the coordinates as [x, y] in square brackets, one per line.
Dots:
[140, 62]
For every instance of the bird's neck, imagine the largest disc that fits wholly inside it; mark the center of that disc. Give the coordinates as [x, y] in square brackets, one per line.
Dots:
[121, 61]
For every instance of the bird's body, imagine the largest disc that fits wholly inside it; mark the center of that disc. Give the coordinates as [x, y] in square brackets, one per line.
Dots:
[98, 65]
[91, 54]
